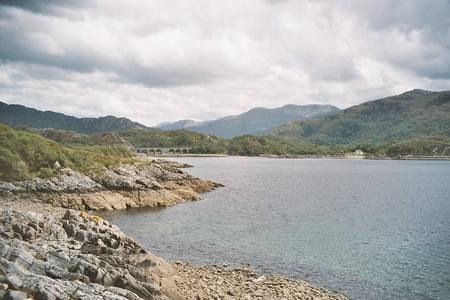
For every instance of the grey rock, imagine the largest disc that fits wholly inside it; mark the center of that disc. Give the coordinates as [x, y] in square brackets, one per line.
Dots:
[14, 281]
[55, 263]
[57, 165]
[68, 181]
[15, 295]
[9, 187]
[128, 177]
[82, 235]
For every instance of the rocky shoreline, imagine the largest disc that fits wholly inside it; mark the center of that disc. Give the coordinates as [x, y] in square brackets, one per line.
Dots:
[214, 282]
[82, 256]
[149, 183]
[50, 248]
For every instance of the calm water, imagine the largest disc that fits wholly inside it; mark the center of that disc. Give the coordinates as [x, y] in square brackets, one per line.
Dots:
[370, 229]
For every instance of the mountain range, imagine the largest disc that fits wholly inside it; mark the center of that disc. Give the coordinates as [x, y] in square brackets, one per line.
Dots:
[417, 113]
[256, 121]
[19, 115]
[413, 114]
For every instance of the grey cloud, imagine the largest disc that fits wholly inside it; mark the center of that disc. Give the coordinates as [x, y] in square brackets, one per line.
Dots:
[45, 6]
[164, 60]
[22, 45]
[163, 77]
[429, 19]
[404, 14]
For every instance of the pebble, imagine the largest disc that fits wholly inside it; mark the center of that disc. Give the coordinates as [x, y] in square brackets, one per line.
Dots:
[210, 282]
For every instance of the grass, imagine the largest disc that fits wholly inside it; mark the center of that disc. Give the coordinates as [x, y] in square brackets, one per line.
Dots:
[24, 155]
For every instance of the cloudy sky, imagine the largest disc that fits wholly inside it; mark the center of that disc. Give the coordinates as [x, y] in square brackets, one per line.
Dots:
[154, 61]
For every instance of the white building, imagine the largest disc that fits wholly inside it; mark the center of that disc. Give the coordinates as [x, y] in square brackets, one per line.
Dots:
[358, 152]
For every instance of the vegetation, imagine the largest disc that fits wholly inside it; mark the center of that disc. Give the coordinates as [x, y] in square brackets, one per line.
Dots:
[423, 146]
[410, 115]
[24, 155]
[244, 145]
[259, 145]
[428, 146]
[200, 143]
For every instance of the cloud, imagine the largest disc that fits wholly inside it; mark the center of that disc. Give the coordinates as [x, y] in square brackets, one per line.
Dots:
[154, 61]
[52, 7]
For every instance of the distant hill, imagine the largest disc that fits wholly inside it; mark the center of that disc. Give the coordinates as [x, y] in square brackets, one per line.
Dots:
[413, 114]
[18, 115]
[255, 121]
[182, 124]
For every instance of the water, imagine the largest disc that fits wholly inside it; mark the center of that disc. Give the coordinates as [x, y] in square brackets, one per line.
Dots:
[370, 229]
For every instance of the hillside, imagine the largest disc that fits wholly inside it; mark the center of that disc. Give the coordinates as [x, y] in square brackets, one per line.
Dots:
[24, 155]
[182, 124]
[18, 115]
[255, 121]
[413, 114]
[199, 143]
[148, 138]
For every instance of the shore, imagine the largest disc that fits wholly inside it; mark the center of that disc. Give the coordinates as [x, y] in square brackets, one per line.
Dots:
[357, 157]
[50, 252]
[214, 282]
[149, 183]
[345, 157]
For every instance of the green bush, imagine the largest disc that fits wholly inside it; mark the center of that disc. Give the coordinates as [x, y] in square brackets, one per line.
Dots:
[46, 172]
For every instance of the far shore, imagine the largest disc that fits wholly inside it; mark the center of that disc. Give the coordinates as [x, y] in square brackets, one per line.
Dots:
[289, 156]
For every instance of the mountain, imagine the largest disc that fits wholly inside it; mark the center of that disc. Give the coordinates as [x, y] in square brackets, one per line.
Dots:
[18, 115]
[182, 124]
[255, 121]
[414, 114]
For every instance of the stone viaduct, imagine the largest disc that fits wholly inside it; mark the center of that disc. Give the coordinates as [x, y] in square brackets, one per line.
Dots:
[163, 151]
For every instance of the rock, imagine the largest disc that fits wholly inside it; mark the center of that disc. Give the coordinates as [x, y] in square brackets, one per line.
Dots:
[62, 260]
[14, 281]
[144, 184]
[9, 187]
[259, 279]
[128, 177]
[56, 165]
[81, 235]
[68, 181]
[15, 295]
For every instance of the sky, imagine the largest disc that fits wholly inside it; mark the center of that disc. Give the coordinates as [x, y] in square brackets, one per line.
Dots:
[154, 61]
